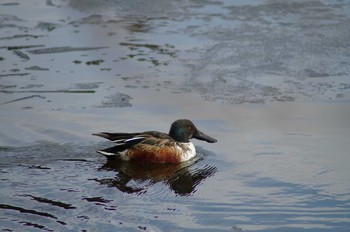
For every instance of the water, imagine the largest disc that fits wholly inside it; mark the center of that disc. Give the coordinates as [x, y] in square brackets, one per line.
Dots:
[269, 80]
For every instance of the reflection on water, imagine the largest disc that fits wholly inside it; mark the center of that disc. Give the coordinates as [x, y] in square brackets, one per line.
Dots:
[134, 177]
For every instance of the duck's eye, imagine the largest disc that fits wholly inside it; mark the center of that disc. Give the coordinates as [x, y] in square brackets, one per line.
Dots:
[190, 127]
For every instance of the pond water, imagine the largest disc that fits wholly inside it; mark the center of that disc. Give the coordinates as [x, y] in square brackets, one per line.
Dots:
[268, 79]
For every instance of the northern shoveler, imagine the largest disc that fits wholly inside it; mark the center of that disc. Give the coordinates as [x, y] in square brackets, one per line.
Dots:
[154, 146]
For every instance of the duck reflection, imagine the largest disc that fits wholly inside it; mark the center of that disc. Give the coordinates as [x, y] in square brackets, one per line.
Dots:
[133, 177]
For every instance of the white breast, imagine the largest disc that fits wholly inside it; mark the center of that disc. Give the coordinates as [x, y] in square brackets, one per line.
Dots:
[189, 151]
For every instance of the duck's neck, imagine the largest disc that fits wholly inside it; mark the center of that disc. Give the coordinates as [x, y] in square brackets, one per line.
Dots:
[178, 135]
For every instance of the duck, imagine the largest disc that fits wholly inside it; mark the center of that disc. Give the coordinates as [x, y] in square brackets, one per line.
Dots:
[154, 146]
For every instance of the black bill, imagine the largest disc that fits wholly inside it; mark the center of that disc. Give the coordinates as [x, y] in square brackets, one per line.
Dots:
[201, 136]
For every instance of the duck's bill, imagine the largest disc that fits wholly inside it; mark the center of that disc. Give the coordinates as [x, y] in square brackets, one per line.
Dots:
[201, 136]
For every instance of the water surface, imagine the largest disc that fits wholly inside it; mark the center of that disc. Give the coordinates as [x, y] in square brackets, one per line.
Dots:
[268, 79]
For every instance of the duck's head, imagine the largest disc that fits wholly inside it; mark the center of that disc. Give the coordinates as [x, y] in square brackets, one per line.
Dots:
[183, 130]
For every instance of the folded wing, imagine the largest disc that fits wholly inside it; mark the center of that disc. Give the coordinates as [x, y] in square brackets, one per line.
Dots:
[126, 141]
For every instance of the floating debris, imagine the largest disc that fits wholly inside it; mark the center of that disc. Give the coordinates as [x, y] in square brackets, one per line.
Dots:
[77, 61]
[47, 26]
[49, 91]
[63, 49]
[7, 86]
[150, 46]
[14, 74]
[21, 54]
[22, 47]
[31, 86]
[10, 4]
[37, 68]
[21, 36]
[93, 85]
[99, 200]
[94, 62]
[23, 98]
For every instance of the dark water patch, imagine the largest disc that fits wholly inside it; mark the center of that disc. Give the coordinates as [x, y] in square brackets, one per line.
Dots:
[6, 17]
[50, 3]
[10, 48]
[94, 62]
[23, 98]
[14, 74]
[344, 86]
[284, 98]
[36, 68]
[7, 25]
[5, 149]
[128, 78]
[313, 73]
[34, 225]
[97, 200]
[10, 4]
[49, 91]
[142, 227]
[133, 46]
[7, 86]
[10, 22]
[47, 26]
[75, 160]
[131, 86]
[14, 70]
[139, 26]
[63, 49]
[121, 185]
[31, 86]
[20, 36]
[29, 211]
[50, 202]
[2, 58]
[21, 54]
[92, 85]
[69, 190]
[77, 91]
[39, 167]
[77, 61]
